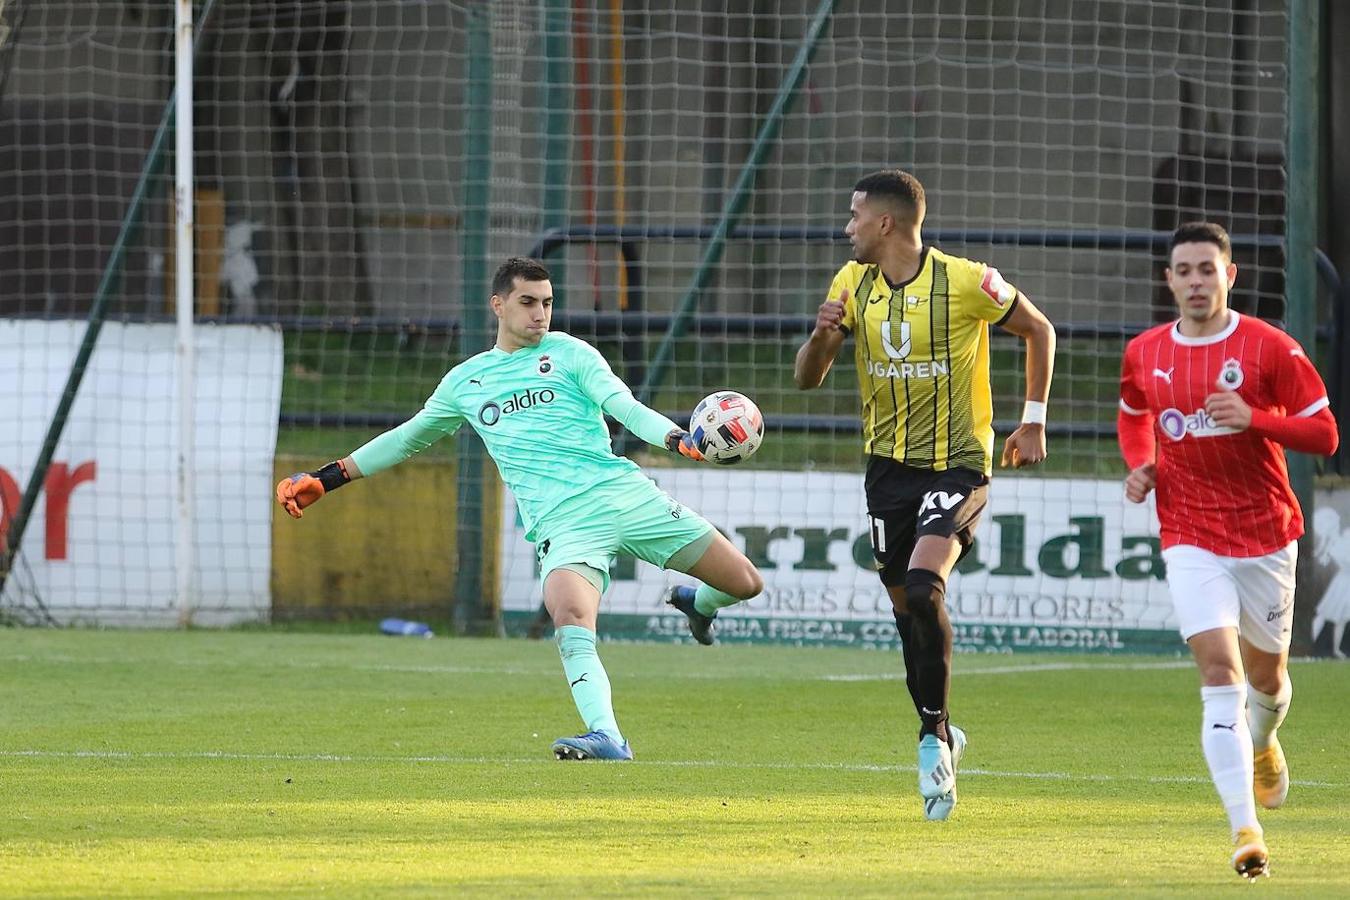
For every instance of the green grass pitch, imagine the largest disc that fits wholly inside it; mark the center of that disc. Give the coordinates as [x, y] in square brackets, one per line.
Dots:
[285, 764]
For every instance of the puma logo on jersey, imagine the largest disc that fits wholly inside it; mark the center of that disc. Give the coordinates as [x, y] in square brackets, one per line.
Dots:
[1165, 376]
[477, 381]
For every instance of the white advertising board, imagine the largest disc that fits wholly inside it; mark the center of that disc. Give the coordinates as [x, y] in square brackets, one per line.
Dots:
[1060, 564]
[100, 546]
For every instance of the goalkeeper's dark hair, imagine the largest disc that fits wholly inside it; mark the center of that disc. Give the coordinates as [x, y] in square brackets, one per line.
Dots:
[900, 188]
[521, 267]
[1203, 233]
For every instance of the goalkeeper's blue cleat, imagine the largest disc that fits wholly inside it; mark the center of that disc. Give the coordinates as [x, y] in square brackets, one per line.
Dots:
[938, 809]
[681, 596]
[591, 745]
[936, 776]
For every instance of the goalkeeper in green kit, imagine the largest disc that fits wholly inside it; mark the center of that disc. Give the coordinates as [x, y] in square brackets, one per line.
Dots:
[536, 399]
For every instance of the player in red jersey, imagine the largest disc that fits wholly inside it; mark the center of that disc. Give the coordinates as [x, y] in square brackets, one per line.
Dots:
[1207, 406]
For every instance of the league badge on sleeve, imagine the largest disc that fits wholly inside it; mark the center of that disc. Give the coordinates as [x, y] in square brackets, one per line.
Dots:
[998, 290]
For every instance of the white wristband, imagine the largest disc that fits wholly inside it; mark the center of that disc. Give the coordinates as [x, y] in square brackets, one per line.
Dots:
[1033, 413]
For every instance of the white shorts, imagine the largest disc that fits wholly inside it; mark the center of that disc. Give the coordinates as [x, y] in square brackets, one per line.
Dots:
[1253, 594]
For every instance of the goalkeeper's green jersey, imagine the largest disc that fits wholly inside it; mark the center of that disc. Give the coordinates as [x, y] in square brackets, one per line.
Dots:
[539, 412]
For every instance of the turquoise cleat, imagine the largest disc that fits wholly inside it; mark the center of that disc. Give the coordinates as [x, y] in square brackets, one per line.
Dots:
[591, 745]
[938, 809]
[681, 596]
[936, 776]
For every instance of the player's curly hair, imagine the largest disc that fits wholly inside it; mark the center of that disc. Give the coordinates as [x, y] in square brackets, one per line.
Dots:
[521, 267]
[897, 185]
[1203, 233]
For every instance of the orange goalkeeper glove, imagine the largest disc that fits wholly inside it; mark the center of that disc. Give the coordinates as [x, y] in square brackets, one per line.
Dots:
[305, 488]
[682, 442]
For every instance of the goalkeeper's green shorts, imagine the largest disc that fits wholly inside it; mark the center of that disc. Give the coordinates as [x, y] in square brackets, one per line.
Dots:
[630, 515]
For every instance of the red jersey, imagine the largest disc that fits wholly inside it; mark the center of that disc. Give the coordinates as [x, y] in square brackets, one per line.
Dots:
[1222, 490]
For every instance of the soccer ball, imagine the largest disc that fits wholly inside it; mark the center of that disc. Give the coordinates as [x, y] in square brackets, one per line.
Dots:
[726, 427]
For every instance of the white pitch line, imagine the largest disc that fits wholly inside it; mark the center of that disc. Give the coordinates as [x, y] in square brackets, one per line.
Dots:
[1013, 669]
[666, 763]
[1024, 669]
[550, 671]
[286, 664]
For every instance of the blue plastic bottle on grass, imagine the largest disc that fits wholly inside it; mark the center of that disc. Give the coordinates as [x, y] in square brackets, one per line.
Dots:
[406, 628]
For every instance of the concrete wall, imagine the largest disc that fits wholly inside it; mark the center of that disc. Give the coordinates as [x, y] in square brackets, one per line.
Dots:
[383, 547]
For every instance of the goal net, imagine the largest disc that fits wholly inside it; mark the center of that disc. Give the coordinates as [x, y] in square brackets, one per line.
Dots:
[362, 167]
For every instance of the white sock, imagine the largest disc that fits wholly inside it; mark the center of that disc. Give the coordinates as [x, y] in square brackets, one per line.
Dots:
[1265, 712]
[1228, 750]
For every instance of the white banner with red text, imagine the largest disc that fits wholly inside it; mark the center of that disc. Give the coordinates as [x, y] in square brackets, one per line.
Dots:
[100, 545]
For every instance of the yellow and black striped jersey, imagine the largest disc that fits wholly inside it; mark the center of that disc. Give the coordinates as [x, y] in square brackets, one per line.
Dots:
[922, 351]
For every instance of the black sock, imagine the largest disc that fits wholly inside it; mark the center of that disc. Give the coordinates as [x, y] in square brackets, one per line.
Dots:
[930, 661]
[904, 624]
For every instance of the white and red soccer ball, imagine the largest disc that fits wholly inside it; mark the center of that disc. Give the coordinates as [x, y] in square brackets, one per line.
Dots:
[727, 427]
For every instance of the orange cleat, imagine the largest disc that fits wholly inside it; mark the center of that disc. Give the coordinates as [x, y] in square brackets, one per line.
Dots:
[1270, 776]
[1251, 859]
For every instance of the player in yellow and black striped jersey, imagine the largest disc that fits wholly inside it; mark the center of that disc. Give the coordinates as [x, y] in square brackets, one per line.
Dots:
[922, 353]
[920, 320]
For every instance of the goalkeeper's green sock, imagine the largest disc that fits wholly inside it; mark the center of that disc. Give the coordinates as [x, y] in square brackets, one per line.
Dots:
[589, 681]
[708, 600]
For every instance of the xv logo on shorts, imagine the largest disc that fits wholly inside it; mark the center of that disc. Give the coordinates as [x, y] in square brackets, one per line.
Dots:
[933, 499]
[542, 550]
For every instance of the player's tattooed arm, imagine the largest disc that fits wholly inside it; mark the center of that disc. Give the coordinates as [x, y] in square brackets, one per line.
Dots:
[815, 357]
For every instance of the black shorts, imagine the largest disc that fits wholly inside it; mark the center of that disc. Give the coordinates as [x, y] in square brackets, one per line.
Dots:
[904, 502]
